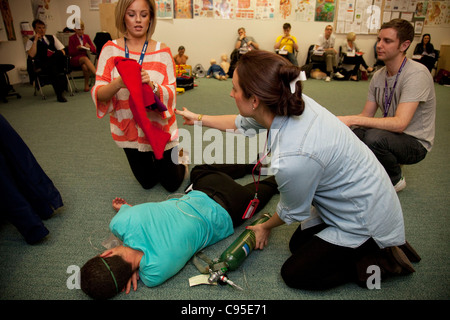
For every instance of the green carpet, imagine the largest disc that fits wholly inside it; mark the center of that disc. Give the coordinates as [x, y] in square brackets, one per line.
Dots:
[77, 152]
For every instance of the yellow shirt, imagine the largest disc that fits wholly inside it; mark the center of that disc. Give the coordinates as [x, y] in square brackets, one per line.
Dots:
[287, 43]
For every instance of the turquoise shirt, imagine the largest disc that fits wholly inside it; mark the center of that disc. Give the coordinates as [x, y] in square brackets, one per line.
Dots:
[169, 233]
[319, 161]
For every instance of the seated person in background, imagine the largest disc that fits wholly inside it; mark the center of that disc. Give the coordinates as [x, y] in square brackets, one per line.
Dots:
[216, 71]
[325, 46]
[424, 52]
[181, 58]
[79, 45]
[49, 57]
[160, 238]
[353, 56]
[404, 91]
[286, 44]
[243, 45]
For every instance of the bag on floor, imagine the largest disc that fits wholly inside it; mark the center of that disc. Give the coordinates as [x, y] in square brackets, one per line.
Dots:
[187, 83]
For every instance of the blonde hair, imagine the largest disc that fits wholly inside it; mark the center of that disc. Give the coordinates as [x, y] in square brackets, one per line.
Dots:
[351, 36]
[121, 9]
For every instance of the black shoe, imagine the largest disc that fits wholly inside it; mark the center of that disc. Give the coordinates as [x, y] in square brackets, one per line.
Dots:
[410, 252]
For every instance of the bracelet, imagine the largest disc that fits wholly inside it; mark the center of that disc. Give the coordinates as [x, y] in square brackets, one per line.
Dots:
[199, 118]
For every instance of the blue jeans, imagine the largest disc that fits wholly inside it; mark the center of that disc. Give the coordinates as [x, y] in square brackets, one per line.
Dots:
[392, 149]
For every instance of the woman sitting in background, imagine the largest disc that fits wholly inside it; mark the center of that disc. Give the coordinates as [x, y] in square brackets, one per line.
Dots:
[79, 45]
[353, 56]
[424, 52]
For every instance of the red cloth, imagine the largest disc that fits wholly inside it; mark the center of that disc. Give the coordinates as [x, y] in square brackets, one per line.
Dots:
[141, 96]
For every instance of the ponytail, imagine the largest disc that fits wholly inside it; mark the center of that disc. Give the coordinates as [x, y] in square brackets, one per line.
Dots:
[268, 76]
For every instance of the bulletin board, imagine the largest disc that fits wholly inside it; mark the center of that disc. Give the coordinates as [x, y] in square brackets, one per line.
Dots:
[367, 16]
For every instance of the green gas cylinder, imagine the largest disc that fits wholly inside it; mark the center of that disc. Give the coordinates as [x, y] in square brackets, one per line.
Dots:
[238, 251]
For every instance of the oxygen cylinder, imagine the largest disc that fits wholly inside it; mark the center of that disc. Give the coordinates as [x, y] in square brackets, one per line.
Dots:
[238, 251]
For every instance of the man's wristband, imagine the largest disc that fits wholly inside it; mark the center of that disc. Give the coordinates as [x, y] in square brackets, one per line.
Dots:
[199, 118]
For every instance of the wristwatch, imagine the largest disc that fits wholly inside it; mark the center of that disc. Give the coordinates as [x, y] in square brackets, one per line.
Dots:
[155, 87]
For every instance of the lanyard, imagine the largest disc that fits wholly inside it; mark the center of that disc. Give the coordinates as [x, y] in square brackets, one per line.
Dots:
[259, 163]
[387, 101]
[144, 49]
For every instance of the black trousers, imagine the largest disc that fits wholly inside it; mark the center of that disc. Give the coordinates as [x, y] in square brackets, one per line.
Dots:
[217, 181]
[318, 265]
[392, 149]
[149, 171]
[357, 61]
[26, 192]
[53, 71]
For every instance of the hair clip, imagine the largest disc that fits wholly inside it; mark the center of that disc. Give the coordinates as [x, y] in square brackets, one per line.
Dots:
[301, 77]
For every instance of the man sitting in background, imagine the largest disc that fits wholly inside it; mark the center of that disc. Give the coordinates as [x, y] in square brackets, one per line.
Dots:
[48, 55]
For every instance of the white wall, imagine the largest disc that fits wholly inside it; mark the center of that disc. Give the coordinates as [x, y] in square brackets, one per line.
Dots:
[204, 39]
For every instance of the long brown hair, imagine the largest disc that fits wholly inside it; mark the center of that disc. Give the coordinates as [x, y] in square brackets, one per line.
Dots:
[267, 76]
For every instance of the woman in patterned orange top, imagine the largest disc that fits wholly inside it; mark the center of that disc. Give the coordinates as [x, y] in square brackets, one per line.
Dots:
[136, 19]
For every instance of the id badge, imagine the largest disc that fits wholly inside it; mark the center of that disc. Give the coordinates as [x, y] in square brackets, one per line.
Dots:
[251, 208]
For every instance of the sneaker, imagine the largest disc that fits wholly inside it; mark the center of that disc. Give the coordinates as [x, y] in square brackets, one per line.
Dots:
[339, 75]
[400, 185]
[327, 79]
[189, 188]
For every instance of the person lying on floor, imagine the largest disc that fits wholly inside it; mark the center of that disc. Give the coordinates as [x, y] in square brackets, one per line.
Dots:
[159, 238]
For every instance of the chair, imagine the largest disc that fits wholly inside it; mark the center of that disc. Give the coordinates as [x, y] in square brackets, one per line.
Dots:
[39, 78]
[346, 66]
[99, 40]
[6, 89]
[277, 51]
[72, 69]
[436, 55]
[322, 65]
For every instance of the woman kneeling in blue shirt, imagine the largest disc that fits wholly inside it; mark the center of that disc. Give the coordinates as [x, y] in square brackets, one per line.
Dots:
[328, 180]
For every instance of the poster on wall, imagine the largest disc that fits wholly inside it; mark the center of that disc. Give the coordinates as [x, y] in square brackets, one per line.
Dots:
[40, 9]
[183, 9]
[325, 10]
[223, 9]
[245, 9]
[305, 10]
[164, 9]
[265, 9]
[285, 8]
[438, 13]
[203, 9]
[359, 16]
[7, 20]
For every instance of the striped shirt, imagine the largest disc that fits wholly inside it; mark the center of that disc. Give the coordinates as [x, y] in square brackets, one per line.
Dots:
[124, 129]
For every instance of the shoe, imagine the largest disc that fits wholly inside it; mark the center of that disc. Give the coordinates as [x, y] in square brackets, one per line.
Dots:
[410, 252]
[400, 185]
[327, 79]
[353, 79]
[370, 70]
[339, 75]
[402, 261]
[189, 188]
